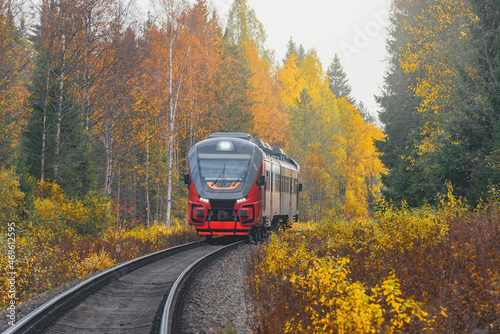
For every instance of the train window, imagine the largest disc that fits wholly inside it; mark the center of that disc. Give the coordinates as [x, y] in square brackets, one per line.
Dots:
[230, 167]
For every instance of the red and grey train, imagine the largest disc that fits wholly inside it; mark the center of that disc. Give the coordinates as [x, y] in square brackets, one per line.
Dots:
[240, 186]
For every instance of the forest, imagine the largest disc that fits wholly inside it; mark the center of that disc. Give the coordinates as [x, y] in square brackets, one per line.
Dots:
[103, 104]
[99, 107]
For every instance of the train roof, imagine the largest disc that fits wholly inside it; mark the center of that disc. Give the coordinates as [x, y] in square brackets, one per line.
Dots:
[275, 151]
[239, 135]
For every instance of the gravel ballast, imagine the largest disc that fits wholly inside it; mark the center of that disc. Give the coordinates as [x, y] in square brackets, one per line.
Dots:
[216, 300]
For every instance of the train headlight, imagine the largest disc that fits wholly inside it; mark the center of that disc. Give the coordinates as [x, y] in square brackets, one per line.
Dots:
[241, 200]
[204, 200]
[224, 146]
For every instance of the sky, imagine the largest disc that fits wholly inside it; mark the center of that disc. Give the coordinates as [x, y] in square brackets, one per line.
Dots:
[355, 29]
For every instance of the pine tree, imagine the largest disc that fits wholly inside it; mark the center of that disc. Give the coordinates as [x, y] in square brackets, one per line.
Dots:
[232, 89]
[486, 39]
[292, 49]
[399, 116]
[365, 113]
[339, 84]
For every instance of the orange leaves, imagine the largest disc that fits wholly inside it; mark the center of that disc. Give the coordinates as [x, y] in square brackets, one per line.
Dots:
[270, 123]
[13, 93]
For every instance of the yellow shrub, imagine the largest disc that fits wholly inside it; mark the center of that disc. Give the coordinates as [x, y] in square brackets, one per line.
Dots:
[324, 299]
[401, 228]
[11, 198]
[334, 304]
[94, 262]
[70, 217]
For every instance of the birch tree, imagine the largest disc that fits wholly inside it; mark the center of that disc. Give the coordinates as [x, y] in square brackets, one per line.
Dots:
[171, 54]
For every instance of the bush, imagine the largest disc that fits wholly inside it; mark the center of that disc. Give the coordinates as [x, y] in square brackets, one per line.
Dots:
[11, 199]
[296, 289]
[380, 275]
[71, 217]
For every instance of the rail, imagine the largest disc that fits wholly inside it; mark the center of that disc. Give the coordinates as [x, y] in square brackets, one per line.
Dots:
[170, 322]
[43, 317]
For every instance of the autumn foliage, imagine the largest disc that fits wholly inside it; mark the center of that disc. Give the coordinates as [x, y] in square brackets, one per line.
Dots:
[433, 269]
[98, 111]
[59, 239]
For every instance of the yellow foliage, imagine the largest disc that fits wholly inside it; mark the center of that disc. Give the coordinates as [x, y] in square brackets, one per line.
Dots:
[291, 80]
[361, 167]
[326, 300]
[11, 198]
[94, 262]
[270, 122]
[70, 217]
[383, 271]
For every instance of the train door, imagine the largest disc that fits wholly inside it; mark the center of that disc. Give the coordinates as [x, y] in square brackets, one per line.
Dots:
[276, 190]
[268, 193]
[284, 209]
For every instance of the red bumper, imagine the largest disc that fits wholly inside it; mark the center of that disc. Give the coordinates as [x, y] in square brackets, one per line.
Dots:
[222, 228]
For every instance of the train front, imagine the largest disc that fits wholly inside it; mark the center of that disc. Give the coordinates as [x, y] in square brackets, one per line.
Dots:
[225, 190]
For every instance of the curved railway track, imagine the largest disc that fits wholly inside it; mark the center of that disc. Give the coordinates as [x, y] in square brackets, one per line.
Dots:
[139, 296]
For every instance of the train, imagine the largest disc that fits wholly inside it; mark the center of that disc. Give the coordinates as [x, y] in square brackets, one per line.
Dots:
[240, 186]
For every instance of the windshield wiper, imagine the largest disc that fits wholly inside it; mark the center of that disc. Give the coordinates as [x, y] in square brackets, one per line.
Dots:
[221, 175]
[239, 179]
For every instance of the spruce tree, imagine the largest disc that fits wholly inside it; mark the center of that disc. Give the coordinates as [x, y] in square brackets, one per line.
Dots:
[291, 48]
[339, 84]
[55, 145]
[399, 116]
[487, 41]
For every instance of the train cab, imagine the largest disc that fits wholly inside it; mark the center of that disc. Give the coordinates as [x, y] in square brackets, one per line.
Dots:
[225, 195]
[238, 186]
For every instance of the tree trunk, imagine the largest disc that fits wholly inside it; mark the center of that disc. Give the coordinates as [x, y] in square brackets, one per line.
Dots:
[60, 107]
[170, 137]
[148, 206]
[44, 127]
[108, 172]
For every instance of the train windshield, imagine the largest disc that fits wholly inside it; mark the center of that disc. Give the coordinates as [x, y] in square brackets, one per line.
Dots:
[223, 171]
[224, 168]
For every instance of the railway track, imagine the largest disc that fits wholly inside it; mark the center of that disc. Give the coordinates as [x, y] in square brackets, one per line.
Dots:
[143, 295]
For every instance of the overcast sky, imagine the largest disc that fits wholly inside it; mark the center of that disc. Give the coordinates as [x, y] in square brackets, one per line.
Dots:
[354, 29]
